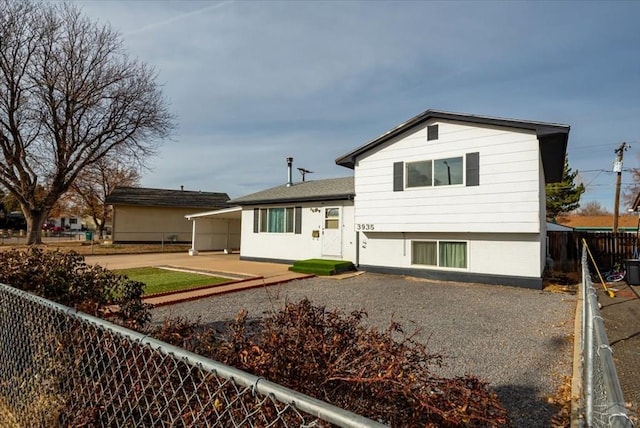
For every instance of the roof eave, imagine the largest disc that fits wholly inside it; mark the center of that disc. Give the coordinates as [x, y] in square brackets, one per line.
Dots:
[553, 149]
[543, 130]
[298, 199]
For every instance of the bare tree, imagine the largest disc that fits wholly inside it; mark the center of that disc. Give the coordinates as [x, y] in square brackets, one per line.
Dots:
[69, 96]
[593, 208]
[633, 189]
[95, 183]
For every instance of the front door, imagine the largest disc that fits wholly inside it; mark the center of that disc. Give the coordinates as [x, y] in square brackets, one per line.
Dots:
[332, 233]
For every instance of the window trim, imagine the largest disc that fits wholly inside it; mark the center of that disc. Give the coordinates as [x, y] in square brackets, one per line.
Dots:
[437, 265]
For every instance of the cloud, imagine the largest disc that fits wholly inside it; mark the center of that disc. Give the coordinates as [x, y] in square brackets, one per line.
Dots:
[253, 82]
[174, 19]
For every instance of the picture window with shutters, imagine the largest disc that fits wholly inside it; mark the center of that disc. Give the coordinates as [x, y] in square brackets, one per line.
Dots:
[277, 220]
[439, 172]
[452, 171]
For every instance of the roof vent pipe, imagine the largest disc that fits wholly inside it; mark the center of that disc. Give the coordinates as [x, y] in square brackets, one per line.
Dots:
[289, 174]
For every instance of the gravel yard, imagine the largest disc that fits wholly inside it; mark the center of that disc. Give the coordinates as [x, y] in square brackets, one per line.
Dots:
[520, 341]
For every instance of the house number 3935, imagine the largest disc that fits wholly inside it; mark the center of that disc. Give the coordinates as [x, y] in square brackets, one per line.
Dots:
[365, 226]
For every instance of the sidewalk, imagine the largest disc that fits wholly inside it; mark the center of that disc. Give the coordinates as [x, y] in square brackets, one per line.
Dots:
[621, 316]
[242, 274]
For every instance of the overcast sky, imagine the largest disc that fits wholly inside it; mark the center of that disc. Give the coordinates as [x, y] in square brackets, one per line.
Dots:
[254, 82]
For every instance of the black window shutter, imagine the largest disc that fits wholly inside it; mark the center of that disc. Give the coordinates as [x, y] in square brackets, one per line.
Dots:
[256, 220]
[297, 220]
[473, 169]
[398, 176]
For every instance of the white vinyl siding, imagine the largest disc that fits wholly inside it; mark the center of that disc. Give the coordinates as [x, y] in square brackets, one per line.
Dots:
[507, 199]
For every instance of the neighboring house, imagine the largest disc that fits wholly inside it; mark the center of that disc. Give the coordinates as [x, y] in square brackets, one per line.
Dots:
[444, 195]
[158, 215]
[599, 223]
[67, 222]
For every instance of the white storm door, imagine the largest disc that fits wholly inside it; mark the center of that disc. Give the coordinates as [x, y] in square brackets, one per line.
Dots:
[332, 233]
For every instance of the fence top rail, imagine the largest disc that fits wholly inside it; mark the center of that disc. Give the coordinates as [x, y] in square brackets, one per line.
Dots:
[258, 385]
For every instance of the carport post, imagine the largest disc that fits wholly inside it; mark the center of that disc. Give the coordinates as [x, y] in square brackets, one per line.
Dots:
[227, 250]
[192, 250]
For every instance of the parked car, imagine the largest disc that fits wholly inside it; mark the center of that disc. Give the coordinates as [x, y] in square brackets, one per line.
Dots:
[52, 227]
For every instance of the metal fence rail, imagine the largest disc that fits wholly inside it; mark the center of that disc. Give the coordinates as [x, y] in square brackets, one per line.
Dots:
[602, 403]
[60, 367]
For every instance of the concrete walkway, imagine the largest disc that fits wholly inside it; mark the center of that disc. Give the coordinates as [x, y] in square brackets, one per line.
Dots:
[242, 274]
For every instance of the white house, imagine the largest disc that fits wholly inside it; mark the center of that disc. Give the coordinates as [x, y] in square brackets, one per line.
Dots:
[297, 221]
[444, 195]
[66, 221]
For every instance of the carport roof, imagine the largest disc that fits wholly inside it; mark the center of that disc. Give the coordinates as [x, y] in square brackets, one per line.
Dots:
[233, 213]
[307, 191]
[141, 196]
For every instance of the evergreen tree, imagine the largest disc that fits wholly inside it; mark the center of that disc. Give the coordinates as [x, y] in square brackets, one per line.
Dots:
[564, 196]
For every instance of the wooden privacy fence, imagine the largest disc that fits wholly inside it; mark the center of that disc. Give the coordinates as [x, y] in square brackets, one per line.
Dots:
[607, 248]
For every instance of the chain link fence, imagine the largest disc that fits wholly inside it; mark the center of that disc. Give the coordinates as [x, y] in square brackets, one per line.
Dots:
[601, 401]
[60, 368]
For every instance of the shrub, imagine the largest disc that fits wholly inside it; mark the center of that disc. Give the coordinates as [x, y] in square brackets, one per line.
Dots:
[64, 277]
[333, 357]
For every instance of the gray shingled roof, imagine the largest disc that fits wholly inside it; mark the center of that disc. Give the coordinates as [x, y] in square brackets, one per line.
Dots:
[307, 191]
[553, 138]
[141, 196]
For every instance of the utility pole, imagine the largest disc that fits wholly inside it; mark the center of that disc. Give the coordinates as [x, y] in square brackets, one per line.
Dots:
[617, 168]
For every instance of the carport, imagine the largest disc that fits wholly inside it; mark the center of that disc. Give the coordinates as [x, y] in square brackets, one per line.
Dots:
[215, 230]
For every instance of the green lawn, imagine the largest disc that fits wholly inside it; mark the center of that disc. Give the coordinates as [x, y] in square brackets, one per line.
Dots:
[162, 280]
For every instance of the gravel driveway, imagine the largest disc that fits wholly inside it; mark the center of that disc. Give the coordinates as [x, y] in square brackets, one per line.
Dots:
[519, 340]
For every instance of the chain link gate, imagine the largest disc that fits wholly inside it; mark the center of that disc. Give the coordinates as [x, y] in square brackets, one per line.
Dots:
[60, 367]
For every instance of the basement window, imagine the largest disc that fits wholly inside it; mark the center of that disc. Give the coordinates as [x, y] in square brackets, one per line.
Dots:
[447, 254]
